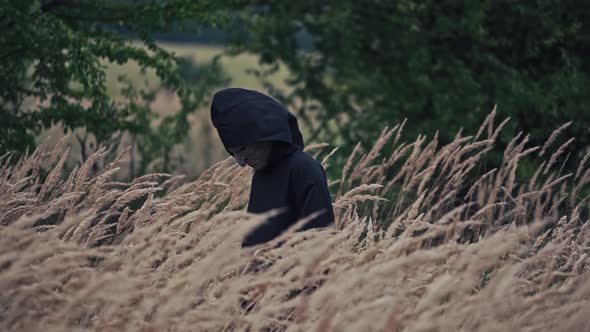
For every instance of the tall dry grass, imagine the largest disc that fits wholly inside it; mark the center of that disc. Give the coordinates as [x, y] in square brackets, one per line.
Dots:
[424, 241]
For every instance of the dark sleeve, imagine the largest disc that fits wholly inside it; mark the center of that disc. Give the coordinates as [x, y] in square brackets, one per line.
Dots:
[265, 232]
[310, 196]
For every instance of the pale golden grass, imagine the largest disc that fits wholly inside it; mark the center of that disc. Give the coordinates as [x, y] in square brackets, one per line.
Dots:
[422, 242]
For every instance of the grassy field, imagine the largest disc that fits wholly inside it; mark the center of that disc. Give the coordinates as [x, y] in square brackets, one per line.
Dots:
[236, 67]
[202, 147]
[422, 242]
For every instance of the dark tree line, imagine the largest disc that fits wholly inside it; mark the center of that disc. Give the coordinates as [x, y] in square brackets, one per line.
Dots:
[443, 65]
[362, 65]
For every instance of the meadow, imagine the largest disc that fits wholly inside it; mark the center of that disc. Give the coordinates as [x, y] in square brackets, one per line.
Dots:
[423, 241]
[202, 147]
[236, 67]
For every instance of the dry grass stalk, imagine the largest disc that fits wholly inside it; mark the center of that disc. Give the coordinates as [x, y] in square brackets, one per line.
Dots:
[582, 164]
[488, 122]
[325, 160]
[479, 181]
[553, 137]
[554, 157]
[315, 146]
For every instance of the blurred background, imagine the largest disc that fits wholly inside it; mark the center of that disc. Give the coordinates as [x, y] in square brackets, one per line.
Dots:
[140, 74]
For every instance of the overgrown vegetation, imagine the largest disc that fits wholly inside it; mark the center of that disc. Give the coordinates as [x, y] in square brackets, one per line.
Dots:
[440, 64]
[53, 56]
[427, 249]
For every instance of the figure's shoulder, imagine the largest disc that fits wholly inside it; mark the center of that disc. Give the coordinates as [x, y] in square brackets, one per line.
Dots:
[302, 164]
[301, 158]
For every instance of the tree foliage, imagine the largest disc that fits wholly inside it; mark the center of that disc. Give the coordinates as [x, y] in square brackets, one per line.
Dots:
[440, 64]
[54, 55]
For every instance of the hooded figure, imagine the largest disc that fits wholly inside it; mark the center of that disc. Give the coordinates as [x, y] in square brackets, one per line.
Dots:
[258, 131]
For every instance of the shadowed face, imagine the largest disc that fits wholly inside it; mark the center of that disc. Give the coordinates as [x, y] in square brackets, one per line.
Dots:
[254, 155]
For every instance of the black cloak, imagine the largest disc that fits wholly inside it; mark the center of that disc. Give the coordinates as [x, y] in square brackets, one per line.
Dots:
[293, 179]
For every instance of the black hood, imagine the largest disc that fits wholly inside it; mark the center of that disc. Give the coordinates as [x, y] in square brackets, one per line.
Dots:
[245, 116]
